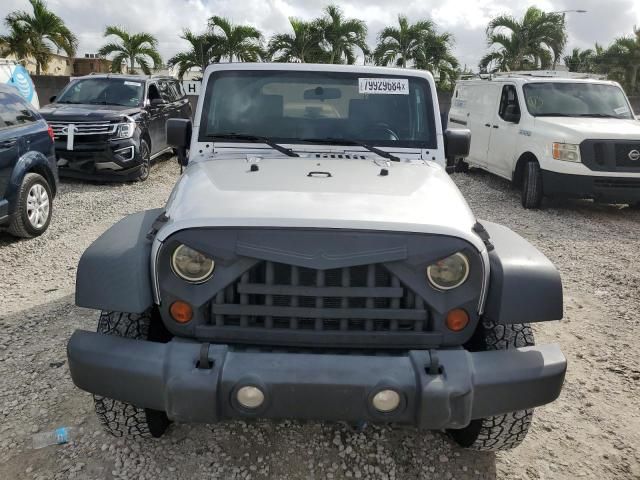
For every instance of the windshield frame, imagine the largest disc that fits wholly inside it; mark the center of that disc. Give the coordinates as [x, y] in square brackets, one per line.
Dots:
[569, 115]
[429, 119]
[111, 79]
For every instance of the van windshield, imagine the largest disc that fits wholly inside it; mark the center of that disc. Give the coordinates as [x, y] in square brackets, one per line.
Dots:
[104, 91]
[303, 107]
[564, 99]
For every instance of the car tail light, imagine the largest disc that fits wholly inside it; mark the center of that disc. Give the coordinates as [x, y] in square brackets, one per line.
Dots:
[50, 131]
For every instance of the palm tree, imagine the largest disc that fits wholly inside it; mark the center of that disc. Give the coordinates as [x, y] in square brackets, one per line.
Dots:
[436, 56]
[236, 42]
[39, 31]
[135, 48]
[343, 35]
[580, 60]
[624, 56]
[16, 43]
[303, 46]
[203, 51]
[536, 41]
[401, 45]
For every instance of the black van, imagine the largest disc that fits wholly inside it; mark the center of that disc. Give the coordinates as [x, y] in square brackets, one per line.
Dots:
[28, 172]
[111, 126]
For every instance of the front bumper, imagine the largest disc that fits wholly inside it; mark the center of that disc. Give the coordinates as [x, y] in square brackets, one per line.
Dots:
[104, 160]
[439, 388]
[622, 189]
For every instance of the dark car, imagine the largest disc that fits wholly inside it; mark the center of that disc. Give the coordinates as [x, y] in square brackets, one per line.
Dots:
[111, 127]
[28, 171]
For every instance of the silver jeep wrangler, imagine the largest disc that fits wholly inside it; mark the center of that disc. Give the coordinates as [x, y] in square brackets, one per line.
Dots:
[315, 261]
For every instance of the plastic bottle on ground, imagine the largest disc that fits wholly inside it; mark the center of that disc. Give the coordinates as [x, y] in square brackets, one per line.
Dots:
[54, 437]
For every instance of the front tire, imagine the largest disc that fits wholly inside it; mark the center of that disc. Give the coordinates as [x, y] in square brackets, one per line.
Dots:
[532, 185]
[34, 208]
[119, 418]
[500, 432]
[145, 155]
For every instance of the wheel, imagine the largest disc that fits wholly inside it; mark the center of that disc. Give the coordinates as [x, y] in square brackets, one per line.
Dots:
[34, 208]
[145, 154]
[532, 185]
[120, 418]
[501, 432]
[460, 166]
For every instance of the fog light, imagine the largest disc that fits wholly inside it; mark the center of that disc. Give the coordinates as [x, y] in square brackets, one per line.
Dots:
[250, 397]
[386, 400]
[181, 311]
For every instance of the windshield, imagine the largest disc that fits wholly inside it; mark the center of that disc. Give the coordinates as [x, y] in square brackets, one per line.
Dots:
[104, 91]
[300, 107]
[576, 100]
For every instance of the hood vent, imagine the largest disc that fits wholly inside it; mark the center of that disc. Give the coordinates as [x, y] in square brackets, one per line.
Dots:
[340, 155]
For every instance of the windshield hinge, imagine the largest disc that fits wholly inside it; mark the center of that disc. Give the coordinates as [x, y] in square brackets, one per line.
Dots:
[157, 224]
[479, 229]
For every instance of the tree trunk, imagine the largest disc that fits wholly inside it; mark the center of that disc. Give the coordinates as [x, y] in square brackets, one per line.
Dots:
[37, 68]
[132, 64]
[633, 80]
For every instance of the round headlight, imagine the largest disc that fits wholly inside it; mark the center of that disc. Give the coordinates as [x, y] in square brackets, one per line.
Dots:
[450, 272]
[191, 265]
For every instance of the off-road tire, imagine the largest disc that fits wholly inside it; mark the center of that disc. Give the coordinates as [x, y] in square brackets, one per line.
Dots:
[120, 418]
[501, 432]
[20, 225]
[145, 154]
[531, 185]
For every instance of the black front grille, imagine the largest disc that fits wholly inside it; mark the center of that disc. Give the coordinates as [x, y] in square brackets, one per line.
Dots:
[274, 296]
[610, 155]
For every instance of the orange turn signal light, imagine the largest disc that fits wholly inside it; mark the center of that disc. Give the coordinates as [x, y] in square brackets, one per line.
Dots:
[181, 311]
[457, 319]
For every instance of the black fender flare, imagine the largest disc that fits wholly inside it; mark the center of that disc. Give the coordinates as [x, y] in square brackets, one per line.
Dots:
[524, 286]
[114, 273]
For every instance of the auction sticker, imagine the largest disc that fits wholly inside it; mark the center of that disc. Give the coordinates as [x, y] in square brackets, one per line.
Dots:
[384, 86]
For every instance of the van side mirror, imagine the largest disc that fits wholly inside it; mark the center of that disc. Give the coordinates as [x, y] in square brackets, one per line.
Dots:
[457, 142]
[157, 102]
[179, 137]
[52, 98]
[512, 114]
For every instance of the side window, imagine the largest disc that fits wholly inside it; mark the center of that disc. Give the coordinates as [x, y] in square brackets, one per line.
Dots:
[14, 111]
[153, 92]
[509, 109]
[165, 91]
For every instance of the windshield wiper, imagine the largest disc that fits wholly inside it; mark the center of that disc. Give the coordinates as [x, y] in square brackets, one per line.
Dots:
[554, 114]
[255, 138]
[349, 141]
[597, 115]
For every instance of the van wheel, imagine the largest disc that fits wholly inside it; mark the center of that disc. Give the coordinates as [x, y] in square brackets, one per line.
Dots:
[500, 432]
[34, 208]
[119, 418]
[532, 185]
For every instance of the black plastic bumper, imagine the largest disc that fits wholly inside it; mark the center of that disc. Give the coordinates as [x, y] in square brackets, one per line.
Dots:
[99, 160]
[611, 189]
[438, 388]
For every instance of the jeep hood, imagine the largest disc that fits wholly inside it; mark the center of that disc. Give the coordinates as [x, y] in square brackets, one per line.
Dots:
[320, 193]
[589, 127]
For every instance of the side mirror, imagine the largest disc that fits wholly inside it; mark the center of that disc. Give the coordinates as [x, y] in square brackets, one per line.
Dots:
[52, 98]
[157, 102]
[457, 142]
[179, 137]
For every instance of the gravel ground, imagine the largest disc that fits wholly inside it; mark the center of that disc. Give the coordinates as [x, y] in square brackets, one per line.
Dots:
[592, 431]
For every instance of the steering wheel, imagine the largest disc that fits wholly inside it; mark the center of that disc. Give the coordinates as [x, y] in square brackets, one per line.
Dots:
[381, 131]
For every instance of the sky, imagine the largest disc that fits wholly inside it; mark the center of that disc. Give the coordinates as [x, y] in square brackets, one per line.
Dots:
[466, 19]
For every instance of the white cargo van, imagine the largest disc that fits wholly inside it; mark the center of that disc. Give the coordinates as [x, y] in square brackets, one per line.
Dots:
[552, 135]
[15, 75]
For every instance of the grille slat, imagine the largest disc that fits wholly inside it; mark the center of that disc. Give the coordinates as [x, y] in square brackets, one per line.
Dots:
[280, 298]
[83, 128]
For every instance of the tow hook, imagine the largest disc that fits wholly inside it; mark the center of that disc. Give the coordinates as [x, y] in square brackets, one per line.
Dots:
[434, 364]
[204, 363]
